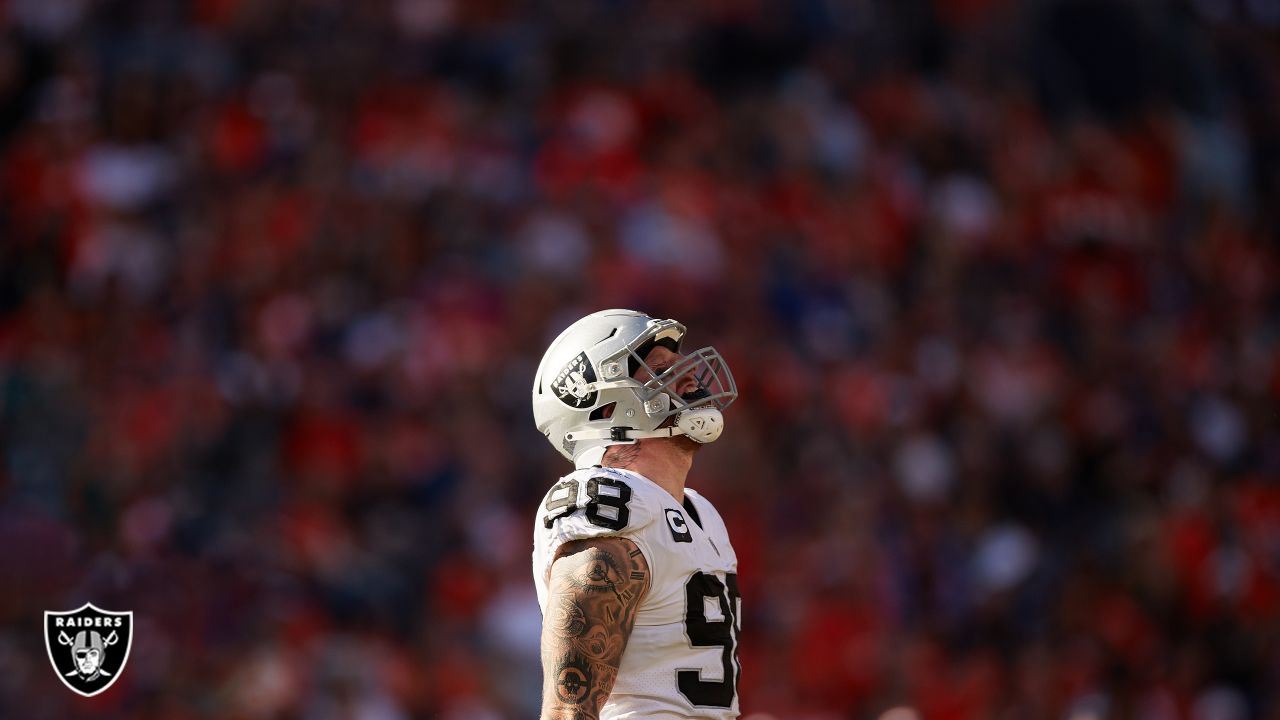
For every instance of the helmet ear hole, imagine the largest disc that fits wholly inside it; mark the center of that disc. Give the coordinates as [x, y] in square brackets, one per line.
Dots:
[604, 412]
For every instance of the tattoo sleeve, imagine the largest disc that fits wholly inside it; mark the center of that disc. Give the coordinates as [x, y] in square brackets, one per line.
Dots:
[593, 593]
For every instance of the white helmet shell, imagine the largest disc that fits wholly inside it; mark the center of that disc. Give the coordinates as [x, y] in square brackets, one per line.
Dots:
[588, 373]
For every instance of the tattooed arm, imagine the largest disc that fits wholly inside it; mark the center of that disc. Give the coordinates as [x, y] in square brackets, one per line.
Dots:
[593, 592]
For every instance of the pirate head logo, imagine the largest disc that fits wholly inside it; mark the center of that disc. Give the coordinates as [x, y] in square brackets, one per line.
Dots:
[88, 647]
[573, 383]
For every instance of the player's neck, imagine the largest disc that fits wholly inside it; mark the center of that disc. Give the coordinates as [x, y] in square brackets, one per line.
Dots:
[664, 462]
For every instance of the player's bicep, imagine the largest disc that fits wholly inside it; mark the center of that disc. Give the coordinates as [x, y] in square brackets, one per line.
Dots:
[593, 594]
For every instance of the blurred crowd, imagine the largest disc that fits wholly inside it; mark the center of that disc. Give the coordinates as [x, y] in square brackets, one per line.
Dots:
[998, 281]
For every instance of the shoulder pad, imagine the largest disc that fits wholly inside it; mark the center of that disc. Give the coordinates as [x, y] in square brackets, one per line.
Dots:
[706, 511]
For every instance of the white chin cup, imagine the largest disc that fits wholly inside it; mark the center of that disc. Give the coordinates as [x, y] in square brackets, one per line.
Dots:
[701, 425]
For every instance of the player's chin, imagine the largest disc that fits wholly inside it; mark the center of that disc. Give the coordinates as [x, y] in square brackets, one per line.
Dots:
[686, 445]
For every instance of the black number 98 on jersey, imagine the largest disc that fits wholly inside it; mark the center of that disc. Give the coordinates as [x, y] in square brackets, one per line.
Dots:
[706, 632]
[606, 505]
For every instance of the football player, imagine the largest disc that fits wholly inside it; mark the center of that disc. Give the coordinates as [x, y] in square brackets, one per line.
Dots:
[635, 573]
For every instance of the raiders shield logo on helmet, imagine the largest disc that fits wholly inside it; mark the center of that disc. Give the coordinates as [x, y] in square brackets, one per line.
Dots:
[573, 381]
[88, 646]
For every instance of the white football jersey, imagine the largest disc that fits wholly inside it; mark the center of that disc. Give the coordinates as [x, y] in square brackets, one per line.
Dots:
[681, 660]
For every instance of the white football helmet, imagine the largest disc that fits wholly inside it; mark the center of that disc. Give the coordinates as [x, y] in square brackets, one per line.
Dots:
[587, 394]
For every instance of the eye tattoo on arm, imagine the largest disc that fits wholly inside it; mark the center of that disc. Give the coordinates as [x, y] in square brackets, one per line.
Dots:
[594, 591]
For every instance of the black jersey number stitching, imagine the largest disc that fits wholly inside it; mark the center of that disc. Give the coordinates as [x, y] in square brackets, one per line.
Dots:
[606, 505]
[721, 633]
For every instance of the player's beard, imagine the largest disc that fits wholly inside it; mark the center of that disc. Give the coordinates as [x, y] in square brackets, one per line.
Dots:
[686, 445]
[683, 443]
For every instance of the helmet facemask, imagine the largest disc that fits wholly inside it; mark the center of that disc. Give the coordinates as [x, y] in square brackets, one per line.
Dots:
[713, 384]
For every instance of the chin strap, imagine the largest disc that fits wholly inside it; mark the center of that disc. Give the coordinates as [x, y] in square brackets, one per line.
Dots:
[701, 425]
